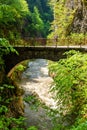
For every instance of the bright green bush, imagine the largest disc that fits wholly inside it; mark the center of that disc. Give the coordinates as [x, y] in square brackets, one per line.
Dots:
[32, 128]
[20, 68]
[82, 126]
[70, 85]
[5, 47]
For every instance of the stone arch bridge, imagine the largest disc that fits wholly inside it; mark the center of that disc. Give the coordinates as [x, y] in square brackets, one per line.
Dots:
[44, 52]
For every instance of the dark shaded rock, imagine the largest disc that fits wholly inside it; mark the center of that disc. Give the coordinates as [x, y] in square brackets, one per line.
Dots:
[79, 23]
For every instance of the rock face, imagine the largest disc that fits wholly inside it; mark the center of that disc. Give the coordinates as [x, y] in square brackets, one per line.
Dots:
[79, 23]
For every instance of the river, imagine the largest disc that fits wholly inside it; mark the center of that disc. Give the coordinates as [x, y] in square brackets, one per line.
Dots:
[36, 80]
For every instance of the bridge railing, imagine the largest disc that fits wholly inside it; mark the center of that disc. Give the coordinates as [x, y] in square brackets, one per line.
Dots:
[51, 42]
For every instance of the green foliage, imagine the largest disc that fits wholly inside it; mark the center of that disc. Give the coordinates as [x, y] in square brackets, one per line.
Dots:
[5, 48]
[6, 122]
[63, 17]
[33, 101]
[32, 128]
[76, 39]
[20, 68]
[37, 22]
[12, 14]
[17, 21]
[73, 39]
[17, 72]
[5, 99]
[82, 126]
[46, 15]
[70, 83]
[6, 94]
[10, 10]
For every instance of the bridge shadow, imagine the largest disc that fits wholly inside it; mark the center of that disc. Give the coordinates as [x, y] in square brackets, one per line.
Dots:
[28, 64]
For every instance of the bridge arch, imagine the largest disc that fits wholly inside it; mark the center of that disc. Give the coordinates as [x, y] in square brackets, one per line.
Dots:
[49, 53]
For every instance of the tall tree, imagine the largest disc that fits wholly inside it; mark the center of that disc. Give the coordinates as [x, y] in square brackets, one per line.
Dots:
[63, 17]
[37, 22]
[11, 17]
[45, 13]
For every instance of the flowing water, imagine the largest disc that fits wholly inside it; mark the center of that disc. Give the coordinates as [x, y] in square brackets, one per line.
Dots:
[37, 80]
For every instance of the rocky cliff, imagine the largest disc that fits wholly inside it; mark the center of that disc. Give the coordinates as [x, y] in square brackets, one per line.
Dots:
[79, 23]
